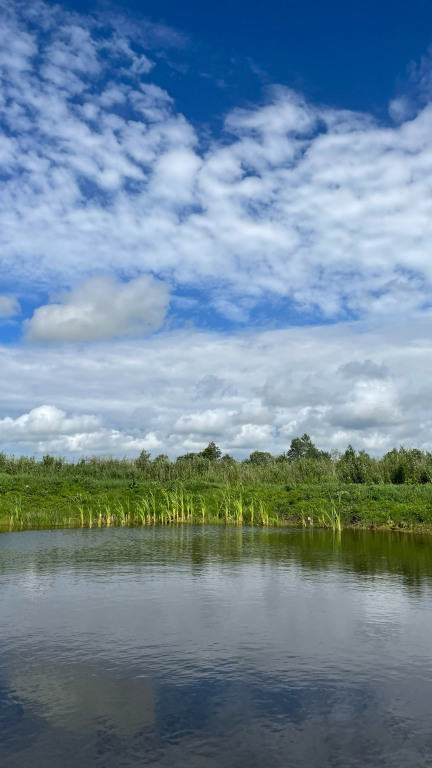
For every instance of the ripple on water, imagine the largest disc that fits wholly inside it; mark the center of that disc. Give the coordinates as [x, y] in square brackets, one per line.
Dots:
[216, 647]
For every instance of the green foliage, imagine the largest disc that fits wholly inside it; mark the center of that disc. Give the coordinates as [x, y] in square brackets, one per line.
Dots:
[398, 475]
[31, 501]
[188, 457]
[302, 464]
[143, 459]
[211, 453]
[260, 457]
[424, 477]
[357, 468]
[303, 448]
[162, 459]
[305, 486]
[228, 460]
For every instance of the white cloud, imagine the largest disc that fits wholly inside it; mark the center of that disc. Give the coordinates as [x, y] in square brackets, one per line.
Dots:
[256, 391]
[251, 435]
[9, 306]
[401, 109]
[369, 405]
[326, 208]
[47, 428]
[44, 422]
[203, 423]
[293, 204]
[102, 309]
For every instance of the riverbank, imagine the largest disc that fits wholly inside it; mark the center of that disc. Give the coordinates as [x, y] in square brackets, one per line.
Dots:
[28, 502]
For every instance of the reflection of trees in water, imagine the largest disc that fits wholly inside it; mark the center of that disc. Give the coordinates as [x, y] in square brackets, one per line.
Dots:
[405, 556]
[289, 678]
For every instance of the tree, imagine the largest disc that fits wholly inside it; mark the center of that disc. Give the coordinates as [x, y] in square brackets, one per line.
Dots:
[260, 457]
[424, 477]
[357, 468]
[227, 459]
[161, 465]
[143, 460]
[212, 452]
[162, 458]
[398, 475]
[188, 457]
[303, 448]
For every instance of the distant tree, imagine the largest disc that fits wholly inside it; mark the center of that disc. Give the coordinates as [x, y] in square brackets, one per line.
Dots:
[227, 459]
[303, 448]
[354, 467]
[49, 462]
[188, 457]
[212, 452]
[424, 477]
[161, 466]
[404, 463]
[162, 458]
[260, 457]
[143, 460]
[398, 476]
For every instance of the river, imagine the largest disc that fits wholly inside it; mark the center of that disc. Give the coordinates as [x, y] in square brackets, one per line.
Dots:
[214, 647]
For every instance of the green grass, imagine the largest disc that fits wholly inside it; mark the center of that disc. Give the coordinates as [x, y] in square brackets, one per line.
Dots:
[28, 501]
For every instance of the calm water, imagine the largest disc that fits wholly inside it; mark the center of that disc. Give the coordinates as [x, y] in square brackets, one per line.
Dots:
[215, 648]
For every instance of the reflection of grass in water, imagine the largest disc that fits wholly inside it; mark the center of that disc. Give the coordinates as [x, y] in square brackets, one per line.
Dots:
[32, 502]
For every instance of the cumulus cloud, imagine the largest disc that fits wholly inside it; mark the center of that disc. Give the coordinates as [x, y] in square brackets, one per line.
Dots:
[102, 308]
[204, 423]
[327, 209]
[369, 405]
[43, 422]
[258, 391]
[48, 428]
[293, 205]
[9, 306]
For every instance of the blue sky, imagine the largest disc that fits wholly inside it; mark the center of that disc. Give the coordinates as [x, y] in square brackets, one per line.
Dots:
[228, 202]
[352, 55]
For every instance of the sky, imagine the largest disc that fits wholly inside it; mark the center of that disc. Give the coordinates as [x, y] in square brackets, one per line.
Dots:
[215, 224]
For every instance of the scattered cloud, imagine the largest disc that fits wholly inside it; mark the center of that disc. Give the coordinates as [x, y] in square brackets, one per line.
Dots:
[416, 92]
[401, 109]
[9, 306]
[109, 191]
[102, 309]
[325, 208]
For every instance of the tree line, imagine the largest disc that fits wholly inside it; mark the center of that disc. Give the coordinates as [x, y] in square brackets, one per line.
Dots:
[302, 463]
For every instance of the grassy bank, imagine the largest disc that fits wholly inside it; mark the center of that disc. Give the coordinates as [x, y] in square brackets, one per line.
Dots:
[36, 501]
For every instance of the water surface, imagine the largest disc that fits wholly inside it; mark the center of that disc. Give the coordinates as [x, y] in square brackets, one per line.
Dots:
[218, 647]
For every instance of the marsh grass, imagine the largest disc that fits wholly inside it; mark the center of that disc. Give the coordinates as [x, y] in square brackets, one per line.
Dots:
[32, 502]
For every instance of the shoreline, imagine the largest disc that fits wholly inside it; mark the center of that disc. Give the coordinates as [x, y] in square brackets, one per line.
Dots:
[31, 502]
